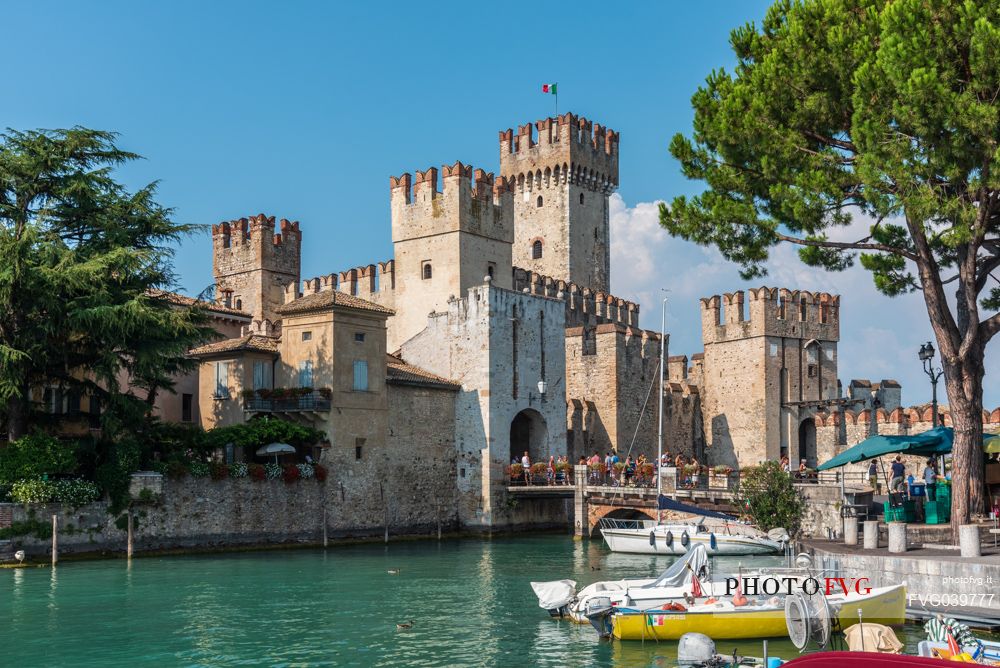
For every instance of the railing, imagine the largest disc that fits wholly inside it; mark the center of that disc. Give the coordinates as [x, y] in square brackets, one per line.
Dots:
[314, 401]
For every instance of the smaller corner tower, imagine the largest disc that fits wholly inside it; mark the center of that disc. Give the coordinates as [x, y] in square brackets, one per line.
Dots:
[563, 176]
[252, 264]
[770, 365]
[446, 241]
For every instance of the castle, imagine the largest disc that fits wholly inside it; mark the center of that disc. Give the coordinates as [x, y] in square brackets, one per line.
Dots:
[492, 332]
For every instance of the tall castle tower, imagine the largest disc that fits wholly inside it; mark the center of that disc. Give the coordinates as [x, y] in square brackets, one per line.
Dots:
[446, 241]
[562, 179]
[765, 376]
[252, 264]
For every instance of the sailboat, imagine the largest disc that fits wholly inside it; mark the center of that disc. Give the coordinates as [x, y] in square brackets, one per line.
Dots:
[721, 534]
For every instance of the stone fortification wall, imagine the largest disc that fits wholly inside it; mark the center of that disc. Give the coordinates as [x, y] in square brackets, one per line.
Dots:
[584, 306]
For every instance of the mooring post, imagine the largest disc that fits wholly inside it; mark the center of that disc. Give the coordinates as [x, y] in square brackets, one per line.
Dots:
[326, 542]
[386, 524]
[55, 540]
[580, 509]
[130, 545]
[439, 518]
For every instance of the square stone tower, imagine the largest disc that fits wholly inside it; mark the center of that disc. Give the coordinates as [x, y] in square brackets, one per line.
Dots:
[446, 241]
[765, 376]
[252, 264]
[562, 179]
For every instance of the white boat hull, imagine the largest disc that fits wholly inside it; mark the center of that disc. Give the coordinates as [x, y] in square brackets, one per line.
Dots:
[637, 541]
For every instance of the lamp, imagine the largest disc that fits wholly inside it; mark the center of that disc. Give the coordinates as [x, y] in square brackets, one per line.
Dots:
[542, 386]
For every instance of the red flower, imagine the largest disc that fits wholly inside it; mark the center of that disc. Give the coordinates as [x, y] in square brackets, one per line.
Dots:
[320, 472]
[290, 473]
[256, 472]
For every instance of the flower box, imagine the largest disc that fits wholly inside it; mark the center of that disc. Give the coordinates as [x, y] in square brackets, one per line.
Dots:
[719, 480]
[668, 478]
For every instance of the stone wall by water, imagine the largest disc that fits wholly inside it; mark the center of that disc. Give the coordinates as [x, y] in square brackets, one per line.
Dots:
[202, 513]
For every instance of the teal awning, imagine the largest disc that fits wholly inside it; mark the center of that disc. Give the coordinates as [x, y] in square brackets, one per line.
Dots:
[936, 441]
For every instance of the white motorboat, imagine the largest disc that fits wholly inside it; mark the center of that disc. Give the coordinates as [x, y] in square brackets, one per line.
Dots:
[560, 598]
[720, 537]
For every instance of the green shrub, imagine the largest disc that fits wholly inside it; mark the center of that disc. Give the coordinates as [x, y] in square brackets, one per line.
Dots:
[71, 492]
[768, 498]
[33, 455]
[239, 470]
[200, 469]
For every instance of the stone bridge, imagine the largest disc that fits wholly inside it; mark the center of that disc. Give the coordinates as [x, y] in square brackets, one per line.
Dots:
[594, 502]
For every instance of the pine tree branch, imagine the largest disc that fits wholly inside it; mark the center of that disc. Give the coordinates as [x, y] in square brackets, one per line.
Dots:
[847, 245]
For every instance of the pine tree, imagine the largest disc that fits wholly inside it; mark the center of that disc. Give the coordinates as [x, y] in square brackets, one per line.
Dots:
[890, 109]
[83, 266]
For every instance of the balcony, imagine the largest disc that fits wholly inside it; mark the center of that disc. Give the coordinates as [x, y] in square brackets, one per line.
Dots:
[311, 402]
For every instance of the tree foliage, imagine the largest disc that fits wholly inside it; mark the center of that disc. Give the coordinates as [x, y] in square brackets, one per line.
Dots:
[768, 498]
[885, 109]
[83, 263]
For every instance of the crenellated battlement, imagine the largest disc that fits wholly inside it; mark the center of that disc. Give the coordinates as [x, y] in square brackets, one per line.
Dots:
[373, 282]
[906, 417]
[583, 305]
[251, 261]
[780, 312]
[470, 200]
[559, 150]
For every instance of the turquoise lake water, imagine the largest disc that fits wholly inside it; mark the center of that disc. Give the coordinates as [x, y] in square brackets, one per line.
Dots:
[469, 600]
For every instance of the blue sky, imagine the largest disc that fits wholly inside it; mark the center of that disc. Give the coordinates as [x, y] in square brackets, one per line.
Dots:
[303, 110]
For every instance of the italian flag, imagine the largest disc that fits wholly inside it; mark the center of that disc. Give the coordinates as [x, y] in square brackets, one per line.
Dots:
[549, 88]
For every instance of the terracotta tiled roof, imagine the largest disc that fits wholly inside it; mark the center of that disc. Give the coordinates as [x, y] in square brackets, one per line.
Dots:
[250, 342]
[184, 300]
[327, 298]
[398, 371]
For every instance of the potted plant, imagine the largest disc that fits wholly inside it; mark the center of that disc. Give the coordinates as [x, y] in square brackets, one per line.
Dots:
[218, 470]
[247, 394]
[325, 392]
[290, 473]
[256, 472]
[538, 472]
[515, 471]
[719, 477]
[265, 393]
[690, 472]
[645, 472]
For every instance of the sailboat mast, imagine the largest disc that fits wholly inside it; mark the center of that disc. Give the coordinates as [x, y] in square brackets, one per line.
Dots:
[659, 435]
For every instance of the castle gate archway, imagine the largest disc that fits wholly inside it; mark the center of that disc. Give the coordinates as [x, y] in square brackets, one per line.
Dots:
[529, 432]
[807, 443]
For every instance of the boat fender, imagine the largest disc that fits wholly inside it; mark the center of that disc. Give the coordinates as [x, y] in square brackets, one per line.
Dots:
[670, 539]
[712, 542]
[652, 538]
[685, 539]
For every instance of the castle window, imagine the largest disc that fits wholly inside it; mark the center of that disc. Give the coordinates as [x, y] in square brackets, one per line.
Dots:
[358, 443]
[360, 376]
[813, 370]
[490, 268]
[306, 373]
[581, 198]
[239, 304]
[538, 202]
[221, 380]
[262, 375]
[802, 309]
[227, 241]
[359, 337]
[426, 271]
[187, 402]
[307, 336]
[536, 250]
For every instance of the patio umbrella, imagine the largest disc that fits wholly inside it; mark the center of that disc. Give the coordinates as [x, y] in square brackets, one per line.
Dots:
[935, 441]
[275, 449]
[991, 444]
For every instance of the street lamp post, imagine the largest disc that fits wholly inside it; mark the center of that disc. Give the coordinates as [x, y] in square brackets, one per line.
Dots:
[873, 427]
[926, 356]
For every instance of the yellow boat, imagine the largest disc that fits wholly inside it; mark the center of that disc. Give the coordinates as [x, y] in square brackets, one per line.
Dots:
[724, 621]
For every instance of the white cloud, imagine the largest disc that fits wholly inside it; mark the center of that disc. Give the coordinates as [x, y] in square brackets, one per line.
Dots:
[879, 336]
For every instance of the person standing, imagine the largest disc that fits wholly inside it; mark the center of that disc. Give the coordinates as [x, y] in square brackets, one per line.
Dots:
[930, 480]
[526, 465]
[898, 474]
[873, 476]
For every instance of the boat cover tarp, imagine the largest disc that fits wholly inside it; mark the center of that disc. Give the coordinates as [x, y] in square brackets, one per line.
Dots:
[554, 594]
[870, 637]
[935, 441]
[666, 503]
[678, 574]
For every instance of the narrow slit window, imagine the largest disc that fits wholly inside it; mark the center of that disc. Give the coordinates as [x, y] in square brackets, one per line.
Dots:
[536, 250]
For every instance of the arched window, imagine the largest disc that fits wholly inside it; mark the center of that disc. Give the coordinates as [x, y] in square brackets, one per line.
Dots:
[239, 304]
[538, 202]
[536, 250]
[581, 198]
[427, 270]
